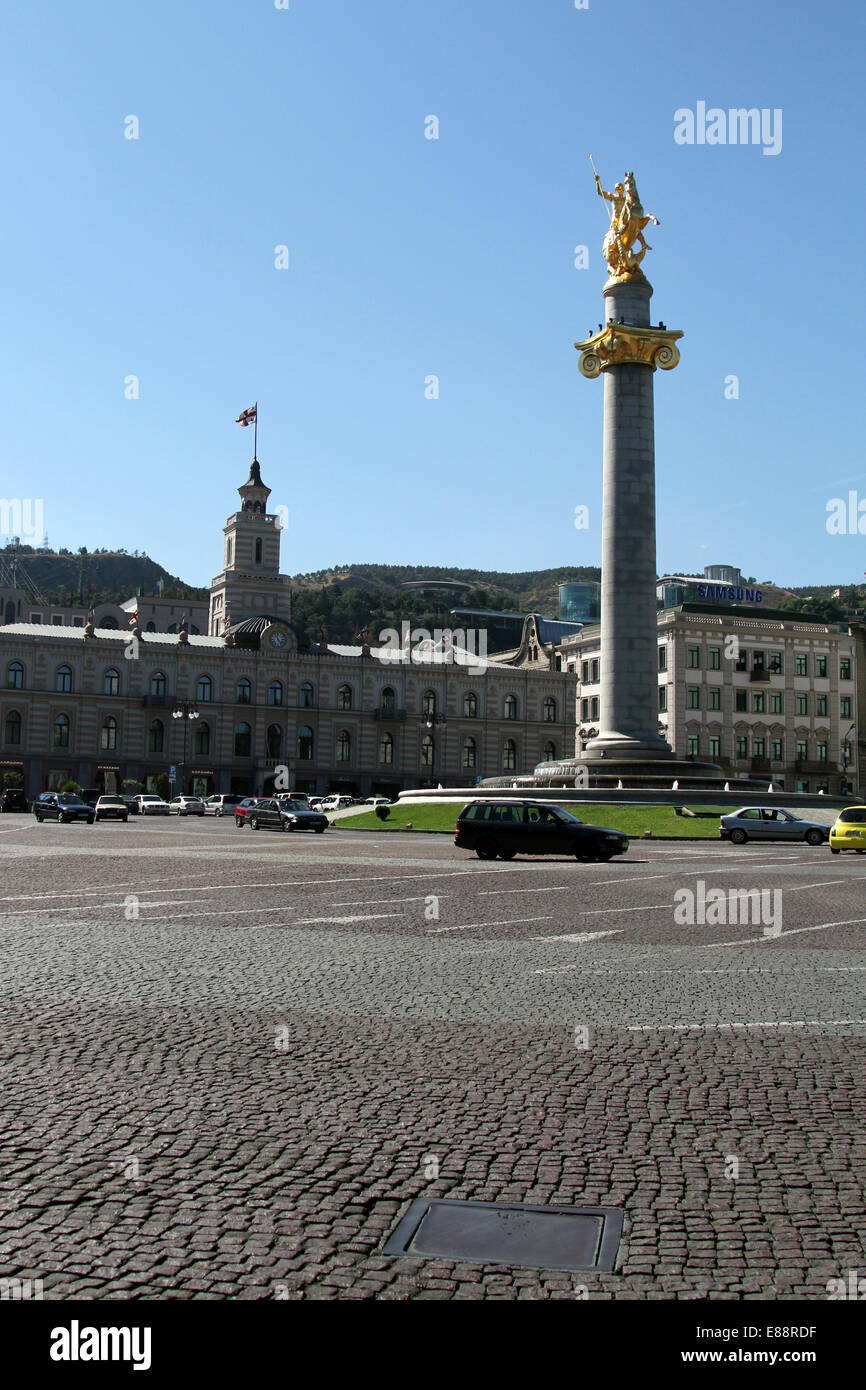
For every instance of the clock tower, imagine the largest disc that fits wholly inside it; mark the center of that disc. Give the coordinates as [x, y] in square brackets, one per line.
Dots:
[250, 584]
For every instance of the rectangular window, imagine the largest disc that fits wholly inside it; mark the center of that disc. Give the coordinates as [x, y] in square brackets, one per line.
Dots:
[758, 702]
[663, 698]
[663, 658]
[584, 710]
[802, 750]
[759, 748]
[693, 745]
[775, 664]
[693, 697]
[777, 751]
[801, 664]
[693, 657]
[593, 705]
[742, 747]
[593, 672]
[802, 704]
[821, 752]
[758, 661]
[820, 665]
[714, 694]
[741, 699]
[742, 661]
[821, 701]
[845, 707]
[714, 744]
[584, 672]
[714, 658]
[777, 702]
[845, 668]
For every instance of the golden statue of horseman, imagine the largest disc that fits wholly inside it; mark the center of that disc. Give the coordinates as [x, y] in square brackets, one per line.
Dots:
[627, 222]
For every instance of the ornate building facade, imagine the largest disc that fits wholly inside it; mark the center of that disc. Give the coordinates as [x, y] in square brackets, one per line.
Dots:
[227, 711]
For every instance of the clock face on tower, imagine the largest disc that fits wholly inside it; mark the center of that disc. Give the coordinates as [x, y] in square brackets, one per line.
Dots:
[278, 639]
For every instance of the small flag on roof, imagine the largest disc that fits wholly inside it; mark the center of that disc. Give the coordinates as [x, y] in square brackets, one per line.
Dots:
[248, 416]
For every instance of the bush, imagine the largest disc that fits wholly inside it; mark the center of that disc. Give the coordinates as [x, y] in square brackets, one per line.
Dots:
[383, 812]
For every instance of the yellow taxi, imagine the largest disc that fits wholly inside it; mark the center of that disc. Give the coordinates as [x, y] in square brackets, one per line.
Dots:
[849, 830]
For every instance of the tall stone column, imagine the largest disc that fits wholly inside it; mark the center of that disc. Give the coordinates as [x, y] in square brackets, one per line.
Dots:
[626, 352]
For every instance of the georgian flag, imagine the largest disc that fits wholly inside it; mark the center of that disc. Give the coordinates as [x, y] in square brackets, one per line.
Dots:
[134, 619]
[247, 417]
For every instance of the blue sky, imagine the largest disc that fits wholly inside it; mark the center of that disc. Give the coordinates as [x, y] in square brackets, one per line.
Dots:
[412, 257]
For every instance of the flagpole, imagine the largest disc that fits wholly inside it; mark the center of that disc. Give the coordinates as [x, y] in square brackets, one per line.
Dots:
[256, 433]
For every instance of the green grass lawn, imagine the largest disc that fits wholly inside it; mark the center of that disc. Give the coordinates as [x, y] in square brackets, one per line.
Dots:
[633, 820]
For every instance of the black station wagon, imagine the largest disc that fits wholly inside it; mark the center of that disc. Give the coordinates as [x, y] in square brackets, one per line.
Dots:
[285, 815]
[506, 828]
[62, 806]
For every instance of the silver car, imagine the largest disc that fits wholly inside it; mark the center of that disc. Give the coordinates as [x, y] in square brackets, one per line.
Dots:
[770, 823]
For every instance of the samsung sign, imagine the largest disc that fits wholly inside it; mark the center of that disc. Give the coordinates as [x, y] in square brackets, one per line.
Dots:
[730, 595]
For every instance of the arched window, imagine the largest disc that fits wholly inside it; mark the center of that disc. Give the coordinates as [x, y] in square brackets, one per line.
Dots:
[63, 683]
[243, 740]
[204, 690]
[111, 683]
[550, 710]
[201, 738]
[509, 755]
[109, 622]
[275, 693]
[12, 727]
[427, 750]
[61, 731]
[344, 697]
[429, 702]
[157, 683]
[305, 696]
[305, 743]
[387, 700]
[386, 749]
[550, 752]
[258, 550]
[108, 737]
[470, 705]
[15, 676]
[511, 707]
[274, 740]
[156, 736]
[245, 691]
[344, 746]
[469, 752]
[151, 627]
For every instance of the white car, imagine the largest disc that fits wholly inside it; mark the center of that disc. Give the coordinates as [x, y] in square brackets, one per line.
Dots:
[149, 805]
[377, 801]
[221, 805]
[186, 806]
[335, 803]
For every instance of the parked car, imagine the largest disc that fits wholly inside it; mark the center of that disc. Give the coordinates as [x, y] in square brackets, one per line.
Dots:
[848, 831]
[377, 801]
[90, 794]
[62, 806]
[112, 808]
[269, 814]
[221, 805]
[315, 803]
[242, 809]
[13, 799]
[506, 828]
[336, 803]
[770, 823]
[186, 806]
[151, 805]
[131, 804]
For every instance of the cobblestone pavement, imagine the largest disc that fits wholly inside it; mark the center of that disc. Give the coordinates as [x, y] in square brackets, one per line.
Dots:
[230, 1060]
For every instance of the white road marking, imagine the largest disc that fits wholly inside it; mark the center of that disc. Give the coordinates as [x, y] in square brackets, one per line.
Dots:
[719, 1027]
[491, 892]
[341, 921]
[609, 911]
[578, 938]
[507, 922]
[795, 931]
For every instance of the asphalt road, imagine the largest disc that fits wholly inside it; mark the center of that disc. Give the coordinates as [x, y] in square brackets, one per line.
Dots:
[230, 1060]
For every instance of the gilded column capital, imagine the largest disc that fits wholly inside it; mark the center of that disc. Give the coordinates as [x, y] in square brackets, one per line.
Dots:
[621, 343]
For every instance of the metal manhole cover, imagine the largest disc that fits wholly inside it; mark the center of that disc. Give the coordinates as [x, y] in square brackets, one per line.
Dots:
[507, 1233]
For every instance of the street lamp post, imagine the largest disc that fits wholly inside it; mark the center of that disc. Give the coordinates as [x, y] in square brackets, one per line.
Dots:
[185, 710]
[436, 721]
[846, 754]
